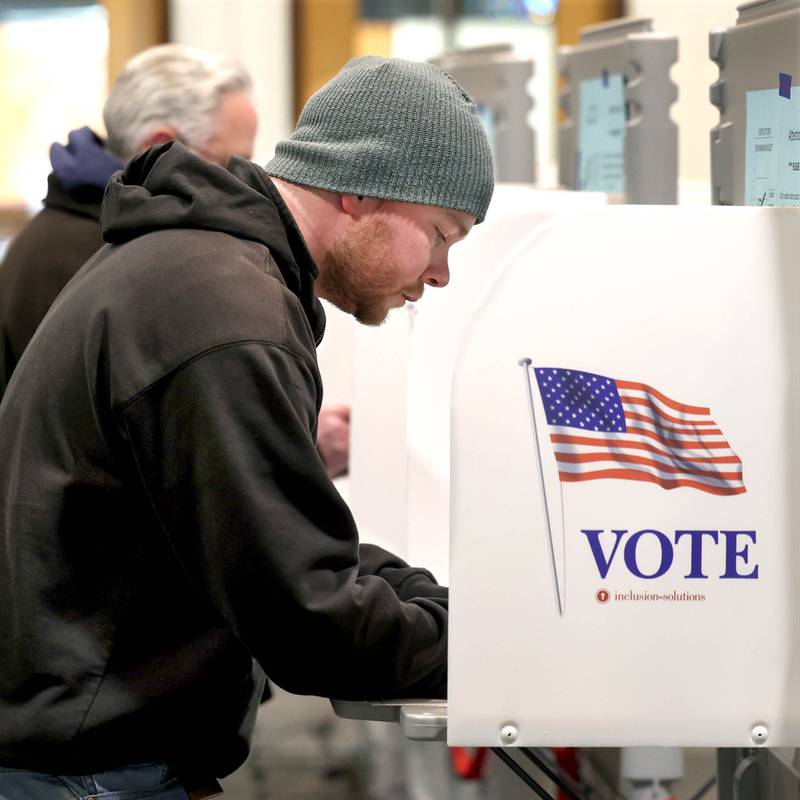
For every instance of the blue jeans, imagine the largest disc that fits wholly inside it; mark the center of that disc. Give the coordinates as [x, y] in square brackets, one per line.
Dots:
[139, 782]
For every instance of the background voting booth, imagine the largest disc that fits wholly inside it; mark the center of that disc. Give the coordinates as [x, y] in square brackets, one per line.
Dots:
[618, 136]
[497, 81]
[755, 149]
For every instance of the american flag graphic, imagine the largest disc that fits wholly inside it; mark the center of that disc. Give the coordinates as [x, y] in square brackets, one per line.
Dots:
[606, 428]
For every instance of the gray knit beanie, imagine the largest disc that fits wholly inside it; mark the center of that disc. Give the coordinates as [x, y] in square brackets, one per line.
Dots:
[394, 129]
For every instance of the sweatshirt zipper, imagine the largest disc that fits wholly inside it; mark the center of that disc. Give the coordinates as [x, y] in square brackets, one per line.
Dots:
[321, 334]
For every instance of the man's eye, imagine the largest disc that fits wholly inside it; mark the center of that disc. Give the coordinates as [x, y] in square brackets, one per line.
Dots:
[440, 236]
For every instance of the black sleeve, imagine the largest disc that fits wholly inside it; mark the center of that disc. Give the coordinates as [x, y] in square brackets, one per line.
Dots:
[408, 582]
[225, 450]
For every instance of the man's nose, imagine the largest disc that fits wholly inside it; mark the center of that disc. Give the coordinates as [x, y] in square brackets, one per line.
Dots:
[437, 275]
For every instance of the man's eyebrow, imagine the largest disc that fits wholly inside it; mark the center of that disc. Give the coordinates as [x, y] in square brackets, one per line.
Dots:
[462, 229]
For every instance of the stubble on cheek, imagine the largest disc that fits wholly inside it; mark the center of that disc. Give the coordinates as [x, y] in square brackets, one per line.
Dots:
[359, 275]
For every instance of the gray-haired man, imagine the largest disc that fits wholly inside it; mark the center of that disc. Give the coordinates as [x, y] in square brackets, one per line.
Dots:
[170, 534]
[167, 92]
[200, 98]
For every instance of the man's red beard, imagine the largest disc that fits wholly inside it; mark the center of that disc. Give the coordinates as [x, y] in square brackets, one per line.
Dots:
[359, 275]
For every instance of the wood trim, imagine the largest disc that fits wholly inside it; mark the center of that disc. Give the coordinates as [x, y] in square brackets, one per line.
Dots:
[373, 38]
[324, 34]
[576, 14]
[133, 26]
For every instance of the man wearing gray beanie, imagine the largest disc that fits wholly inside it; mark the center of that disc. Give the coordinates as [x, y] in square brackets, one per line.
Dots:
[170, 532]
[402, 161]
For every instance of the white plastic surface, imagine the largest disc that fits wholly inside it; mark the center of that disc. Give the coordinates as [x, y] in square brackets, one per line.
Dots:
[651, 763]
[437, 332]
[432, 352]
[335, 358]
[378, 464]
[700, 303]
[335, 355]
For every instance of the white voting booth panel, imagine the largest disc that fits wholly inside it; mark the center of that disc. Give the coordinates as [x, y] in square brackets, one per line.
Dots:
[433, 346]
[378, 471]
[335, 358]
[666, 612]
[431, 354]
[335, 355]
[381, 475]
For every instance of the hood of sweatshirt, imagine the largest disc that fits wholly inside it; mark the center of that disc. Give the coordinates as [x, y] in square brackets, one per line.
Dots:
[168, 186]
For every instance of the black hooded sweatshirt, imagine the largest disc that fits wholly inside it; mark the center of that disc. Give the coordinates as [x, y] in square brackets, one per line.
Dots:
[168, 530]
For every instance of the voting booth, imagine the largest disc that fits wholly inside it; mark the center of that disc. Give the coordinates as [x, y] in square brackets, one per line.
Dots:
[618, 136]
[623, 497]
[621, 486]
[497, 80]
[755, 148]
[398, 487]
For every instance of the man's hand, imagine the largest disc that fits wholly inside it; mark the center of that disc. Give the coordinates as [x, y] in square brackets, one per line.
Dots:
[333, 438]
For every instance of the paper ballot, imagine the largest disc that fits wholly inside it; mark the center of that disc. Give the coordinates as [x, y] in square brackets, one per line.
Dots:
[601, 135]
[772, 147]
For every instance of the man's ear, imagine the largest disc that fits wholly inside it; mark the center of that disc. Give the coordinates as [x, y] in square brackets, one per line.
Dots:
[355, 205]
[165, 133]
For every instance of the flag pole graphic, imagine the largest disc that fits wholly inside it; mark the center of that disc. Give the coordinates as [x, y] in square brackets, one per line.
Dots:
[527, 365]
